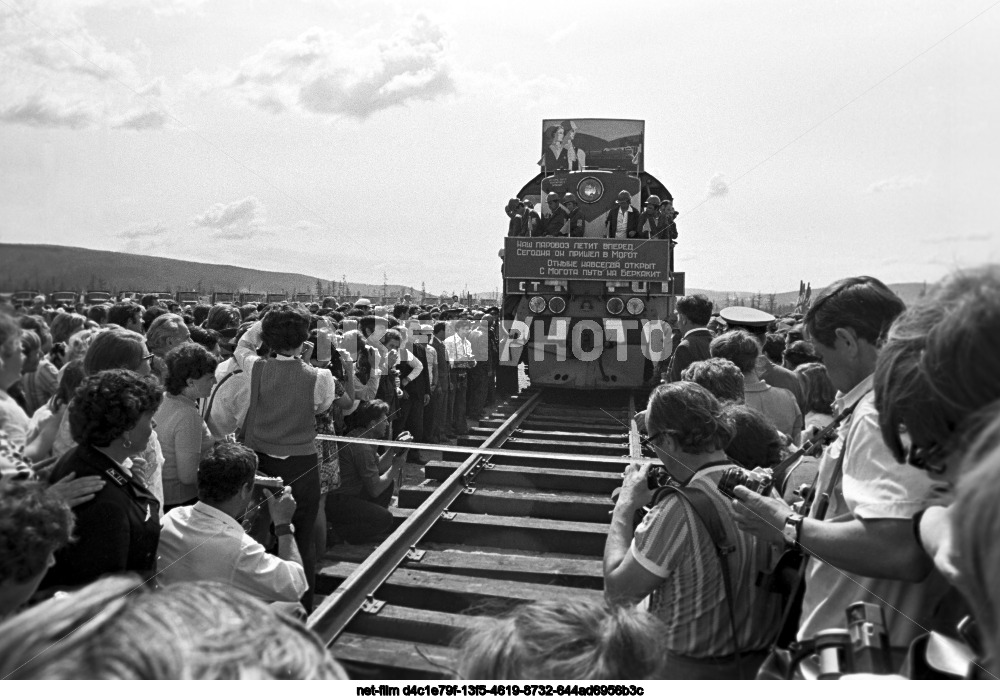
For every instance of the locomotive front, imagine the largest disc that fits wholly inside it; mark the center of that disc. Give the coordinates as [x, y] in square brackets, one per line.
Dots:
[588, 310]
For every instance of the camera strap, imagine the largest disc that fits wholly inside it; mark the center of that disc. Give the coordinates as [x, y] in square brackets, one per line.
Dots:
[709, 516]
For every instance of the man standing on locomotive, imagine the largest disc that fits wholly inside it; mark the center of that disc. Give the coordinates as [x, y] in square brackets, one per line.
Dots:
[553, 224]
[623, 220]
[574, 225]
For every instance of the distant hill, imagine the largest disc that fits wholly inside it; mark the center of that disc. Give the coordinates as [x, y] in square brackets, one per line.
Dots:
[785, 301]
[50, 268]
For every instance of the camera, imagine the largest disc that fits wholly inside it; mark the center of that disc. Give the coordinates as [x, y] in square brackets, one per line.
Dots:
[656, 477]
[274, 483]
[738, 476]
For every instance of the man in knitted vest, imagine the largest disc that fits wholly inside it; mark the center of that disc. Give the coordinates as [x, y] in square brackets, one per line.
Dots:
[286, 393]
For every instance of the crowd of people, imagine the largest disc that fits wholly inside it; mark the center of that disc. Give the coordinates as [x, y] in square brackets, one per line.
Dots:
[562, 216]
[149, 439]
[897, 411]
[860, 439]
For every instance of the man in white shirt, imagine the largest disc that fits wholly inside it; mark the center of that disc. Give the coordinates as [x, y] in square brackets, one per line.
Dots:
[461, 360]
[205, 542]
[863, 547]
[623, 220]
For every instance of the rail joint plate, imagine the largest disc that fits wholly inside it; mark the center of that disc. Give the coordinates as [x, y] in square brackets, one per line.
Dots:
[371, 605]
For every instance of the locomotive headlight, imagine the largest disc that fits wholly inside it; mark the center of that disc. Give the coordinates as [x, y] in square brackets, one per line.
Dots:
[635, 306]
[590, 189]
[536, 305]
[615, 305]
[557, 305]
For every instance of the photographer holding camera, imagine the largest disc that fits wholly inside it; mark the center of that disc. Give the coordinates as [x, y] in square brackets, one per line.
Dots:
[719, 623]
[205, 541]
[862, 547]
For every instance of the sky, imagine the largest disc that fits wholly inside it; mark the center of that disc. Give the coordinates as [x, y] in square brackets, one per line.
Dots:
[801, 141]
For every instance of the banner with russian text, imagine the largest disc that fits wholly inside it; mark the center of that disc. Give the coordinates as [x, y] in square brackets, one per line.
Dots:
[637, 260]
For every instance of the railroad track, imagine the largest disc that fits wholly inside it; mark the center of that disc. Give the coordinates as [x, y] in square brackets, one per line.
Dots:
[525, 522]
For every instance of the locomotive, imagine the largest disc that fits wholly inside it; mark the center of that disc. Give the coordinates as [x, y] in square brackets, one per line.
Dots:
[587, 311]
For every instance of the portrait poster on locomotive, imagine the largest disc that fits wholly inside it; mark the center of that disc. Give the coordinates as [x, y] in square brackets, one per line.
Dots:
[577, 144]
[586, 258]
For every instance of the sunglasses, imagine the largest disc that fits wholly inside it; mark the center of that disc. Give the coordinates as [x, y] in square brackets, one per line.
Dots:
[650, 440]
[147, 358]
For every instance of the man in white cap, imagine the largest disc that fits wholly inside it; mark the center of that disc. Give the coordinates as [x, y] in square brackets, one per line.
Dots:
[756, 323]
[363, 304]
[623, 220]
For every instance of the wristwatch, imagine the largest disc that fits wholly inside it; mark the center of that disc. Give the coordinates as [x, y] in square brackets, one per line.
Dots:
[793, 530]
[284, 529]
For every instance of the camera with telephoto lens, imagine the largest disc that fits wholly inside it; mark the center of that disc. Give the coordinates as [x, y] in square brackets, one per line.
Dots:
[738, 476]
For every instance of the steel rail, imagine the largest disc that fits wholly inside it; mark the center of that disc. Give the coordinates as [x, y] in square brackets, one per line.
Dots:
[635, 451]
[340, 607]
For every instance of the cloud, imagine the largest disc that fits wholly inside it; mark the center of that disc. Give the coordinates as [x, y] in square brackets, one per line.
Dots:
[234, 221]
[138, 231]
[717, 186]
[54, 73]
[36, 110]
[40, 111]
[75, 53]
[141, 120]
[322, 72]
[897, 183]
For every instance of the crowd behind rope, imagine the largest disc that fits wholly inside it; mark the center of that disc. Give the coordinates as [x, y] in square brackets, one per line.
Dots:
[130, 448]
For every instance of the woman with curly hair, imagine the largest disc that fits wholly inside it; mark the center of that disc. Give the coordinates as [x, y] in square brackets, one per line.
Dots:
[183, 434]
[672, 558]
[111, 418]
[117, 348]
[34, 524]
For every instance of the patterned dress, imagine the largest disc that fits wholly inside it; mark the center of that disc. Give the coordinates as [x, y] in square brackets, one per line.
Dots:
[326, 424]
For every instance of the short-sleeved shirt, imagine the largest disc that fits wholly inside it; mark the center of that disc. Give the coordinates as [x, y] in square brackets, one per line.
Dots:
[358, 467]
[201, 543]
[182, 433]
[873, 486]
[672, 543]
